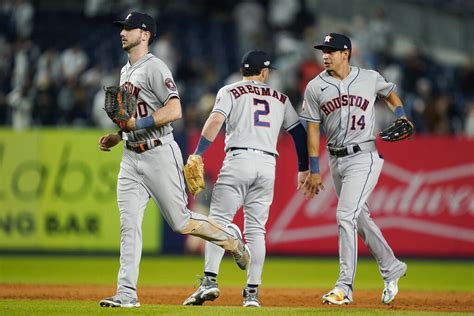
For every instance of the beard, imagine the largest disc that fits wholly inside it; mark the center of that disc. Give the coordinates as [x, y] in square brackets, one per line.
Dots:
[130, 44]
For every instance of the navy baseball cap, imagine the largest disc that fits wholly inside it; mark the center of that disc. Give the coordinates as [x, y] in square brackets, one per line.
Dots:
[137, 20]
[256, 60]
[336, 41]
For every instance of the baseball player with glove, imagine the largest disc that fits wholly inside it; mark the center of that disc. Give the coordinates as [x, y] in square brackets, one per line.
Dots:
[254, 113]
[143, 106]
[341, 99]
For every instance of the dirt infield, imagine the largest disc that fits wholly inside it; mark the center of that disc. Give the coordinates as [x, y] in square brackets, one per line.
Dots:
[406, 300]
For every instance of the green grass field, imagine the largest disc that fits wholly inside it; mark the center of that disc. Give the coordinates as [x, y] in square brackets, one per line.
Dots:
[423, 275]
[22, 307]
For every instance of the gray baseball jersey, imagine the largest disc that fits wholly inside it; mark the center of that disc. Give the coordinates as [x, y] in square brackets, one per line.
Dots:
[156, 172]
[151, 81]
[345, 108]
[255, 114]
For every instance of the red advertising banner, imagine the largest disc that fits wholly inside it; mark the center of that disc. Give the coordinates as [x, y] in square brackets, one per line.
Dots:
[423, 202]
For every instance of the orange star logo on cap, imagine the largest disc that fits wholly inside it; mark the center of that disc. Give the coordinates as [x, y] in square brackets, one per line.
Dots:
[327, 38]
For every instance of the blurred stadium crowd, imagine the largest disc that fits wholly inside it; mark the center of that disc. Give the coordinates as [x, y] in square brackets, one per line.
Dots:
[55, 61]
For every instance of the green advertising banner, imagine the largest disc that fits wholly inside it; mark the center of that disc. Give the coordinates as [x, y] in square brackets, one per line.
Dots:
[58, 193]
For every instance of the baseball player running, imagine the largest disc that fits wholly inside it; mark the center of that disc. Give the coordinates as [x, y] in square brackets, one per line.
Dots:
[341, 99]
[152, 163]
[254, 114]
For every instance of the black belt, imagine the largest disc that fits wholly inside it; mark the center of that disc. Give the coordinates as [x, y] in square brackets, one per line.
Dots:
[344, 151]
[142, 147]
[252, 149]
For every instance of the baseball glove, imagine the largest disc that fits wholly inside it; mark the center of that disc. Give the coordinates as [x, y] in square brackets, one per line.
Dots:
[119, 105]
[194, 174]
[399, 130]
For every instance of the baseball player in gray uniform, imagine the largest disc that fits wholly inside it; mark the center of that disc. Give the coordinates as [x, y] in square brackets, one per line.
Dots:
[254, 113]
[341, 99]
[152, 163]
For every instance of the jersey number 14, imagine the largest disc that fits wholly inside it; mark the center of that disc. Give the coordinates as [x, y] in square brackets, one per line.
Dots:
[359, 122]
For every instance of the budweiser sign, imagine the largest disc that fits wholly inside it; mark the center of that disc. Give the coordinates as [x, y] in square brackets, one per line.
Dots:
[425, 194]
[423, 209]
[423, 201]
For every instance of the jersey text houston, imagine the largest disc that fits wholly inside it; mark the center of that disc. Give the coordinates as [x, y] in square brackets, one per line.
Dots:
[344, 100]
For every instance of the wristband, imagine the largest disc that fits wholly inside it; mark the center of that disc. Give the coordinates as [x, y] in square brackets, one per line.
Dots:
[399, 111]
[146, 122]
[202, 146]
[314, 164]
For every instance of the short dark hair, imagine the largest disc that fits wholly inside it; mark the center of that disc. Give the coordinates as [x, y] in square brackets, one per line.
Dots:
[247, 72]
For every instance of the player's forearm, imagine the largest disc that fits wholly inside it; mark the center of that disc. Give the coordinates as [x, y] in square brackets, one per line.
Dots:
[212, 126]
[313, 146]
[168, 113]
[313, 139]
[395, 104]
[209, 132]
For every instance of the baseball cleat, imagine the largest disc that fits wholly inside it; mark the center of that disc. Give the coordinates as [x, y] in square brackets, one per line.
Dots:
[115, 301]
[391, 287]
[337, 297]
[251, 297]
[242, 253]
[207, 291]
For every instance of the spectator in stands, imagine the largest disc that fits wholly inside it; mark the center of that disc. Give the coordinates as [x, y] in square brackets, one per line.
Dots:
[21, 102]
[469, 123]
[66, 102]
[416, 66]
[164, 48]
[6, 64]
[25, 54]
[73, 61]
[23, 15]
[379, 31]
[250, 20]
[436, 116]
[466, 79]
[44, 107]
[48, 70]
[282, 13]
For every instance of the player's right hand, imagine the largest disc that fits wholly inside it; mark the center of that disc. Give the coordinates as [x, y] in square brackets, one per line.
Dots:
[108, 141]
[312, 185]
[302, 176]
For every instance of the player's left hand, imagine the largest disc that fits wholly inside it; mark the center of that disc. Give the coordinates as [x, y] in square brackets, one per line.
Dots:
[312, 185]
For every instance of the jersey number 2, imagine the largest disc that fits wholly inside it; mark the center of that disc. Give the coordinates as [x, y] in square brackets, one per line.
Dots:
[360, 122]
[257, 115]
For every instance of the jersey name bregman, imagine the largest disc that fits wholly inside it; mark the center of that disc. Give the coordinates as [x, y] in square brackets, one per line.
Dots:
[344, 100]
[264, 91]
